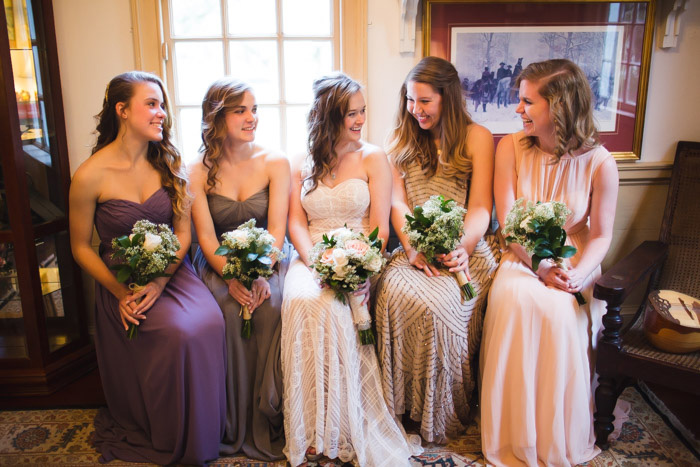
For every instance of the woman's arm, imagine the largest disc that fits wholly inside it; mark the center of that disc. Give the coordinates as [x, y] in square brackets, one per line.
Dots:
[298, 222]
[480, 205]
[278, 170]
[380, 187]
[399, 209]
[504, 189]
[83, 195]
[602, 218]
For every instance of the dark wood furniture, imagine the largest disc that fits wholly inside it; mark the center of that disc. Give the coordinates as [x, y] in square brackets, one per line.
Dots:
[44, 341]
[624, 354]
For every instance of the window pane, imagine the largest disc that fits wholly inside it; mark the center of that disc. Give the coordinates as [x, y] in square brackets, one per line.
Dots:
[296, 129]
[305, 61]
[268, 132]
[246, 18]
[255, 62]
[306, 17]
[197, 65]
[195, 19]
[190, 135]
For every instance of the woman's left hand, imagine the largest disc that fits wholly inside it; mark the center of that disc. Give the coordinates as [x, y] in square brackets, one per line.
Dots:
[150, 294]
[363, 290]
[261, 292]
[575, 280]
[456, 260]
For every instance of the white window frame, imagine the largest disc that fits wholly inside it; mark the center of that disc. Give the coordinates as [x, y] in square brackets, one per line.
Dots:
[153, 45]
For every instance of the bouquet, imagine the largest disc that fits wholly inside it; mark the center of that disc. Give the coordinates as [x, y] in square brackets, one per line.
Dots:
[249, 253]
[436, 228]
[538, 227]
[344, 260]
[145, 254]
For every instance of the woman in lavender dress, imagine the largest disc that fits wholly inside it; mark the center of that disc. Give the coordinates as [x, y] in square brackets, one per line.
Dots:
[165, 389]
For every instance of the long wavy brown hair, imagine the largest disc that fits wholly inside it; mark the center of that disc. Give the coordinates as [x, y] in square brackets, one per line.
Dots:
[162, 155]
[332, 95]
[221, 97]
[565, 87]
[409, 143]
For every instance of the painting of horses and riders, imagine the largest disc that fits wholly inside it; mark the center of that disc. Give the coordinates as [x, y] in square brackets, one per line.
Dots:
[489, 60]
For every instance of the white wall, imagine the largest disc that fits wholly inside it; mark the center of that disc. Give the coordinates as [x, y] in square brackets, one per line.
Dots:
[94, 42]
[672, 101]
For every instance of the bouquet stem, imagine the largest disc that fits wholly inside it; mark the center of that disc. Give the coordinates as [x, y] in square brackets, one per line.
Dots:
[247, 327]
[579, 298]
[467, 288]
[361, 318]
[133, 331]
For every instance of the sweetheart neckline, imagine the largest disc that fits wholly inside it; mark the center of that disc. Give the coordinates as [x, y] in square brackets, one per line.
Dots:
[344, 181]
[235, 200]
[140, 203]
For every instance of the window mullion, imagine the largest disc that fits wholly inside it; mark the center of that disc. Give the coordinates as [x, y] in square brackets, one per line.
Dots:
[225, 34]
[282, 79]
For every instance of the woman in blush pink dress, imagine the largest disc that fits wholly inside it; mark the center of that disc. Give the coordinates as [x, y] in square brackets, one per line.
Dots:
[537, 349]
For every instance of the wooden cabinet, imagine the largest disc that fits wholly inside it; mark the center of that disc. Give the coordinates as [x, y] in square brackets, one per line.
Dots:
[44, 342]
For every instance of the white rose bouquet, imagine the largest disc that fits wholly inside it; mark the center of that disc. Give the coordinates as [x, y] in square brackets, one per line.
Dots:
[344, 260]
[538, 227]
[144, 254]
[435, 228]
[249, 253]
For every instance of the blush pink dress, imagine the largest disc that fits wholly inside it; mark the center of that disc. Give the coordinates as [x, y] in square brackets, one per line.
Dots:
[537, 354]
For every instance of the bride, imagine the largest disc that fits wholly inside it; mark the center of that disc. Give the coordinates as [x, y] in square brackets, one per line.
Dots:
[333, 400]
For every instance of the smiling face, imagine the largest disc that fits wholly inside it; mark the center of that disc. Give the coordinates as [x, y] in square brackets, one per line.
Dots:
[145, 113]
[242, 119]
[425, 104]
[354, 118]
[534, 111]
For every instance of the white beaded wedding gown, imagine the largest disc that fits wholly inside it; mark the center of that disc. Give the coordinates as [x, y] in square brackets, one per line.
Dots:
[332, 386]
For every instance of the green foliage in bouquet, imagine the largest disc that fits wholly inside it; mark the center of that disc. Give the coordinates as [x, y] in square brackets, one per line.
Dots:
[249, 251]
[144, 255]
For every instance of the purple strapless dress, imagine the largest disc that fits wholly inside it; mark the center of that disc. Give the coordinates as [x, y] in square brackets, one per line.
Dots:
[165, 390]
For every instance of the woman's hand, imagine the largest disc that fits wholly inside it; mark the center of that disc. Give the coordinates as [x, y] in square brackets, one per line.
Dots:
[456, 260]
[576, 279]
[363, 290]
[554, 276]
[260, 291]
[127, 309]
[240, 293]
[150, 294]
[418, 260]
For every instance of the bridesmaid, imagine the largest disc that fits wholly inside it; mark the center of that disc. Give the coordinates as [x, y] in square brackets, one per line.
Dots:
[537, 352]
[163, 405]
[428, 335]
[237, 180]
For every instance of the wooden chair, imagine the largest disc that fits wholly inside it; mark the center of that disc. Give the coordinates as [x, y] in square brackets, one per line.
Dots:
[625, 355]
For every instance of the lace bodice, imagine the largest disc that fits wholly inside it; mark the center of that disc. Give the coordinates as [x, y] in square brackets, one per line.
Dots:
[328, 208]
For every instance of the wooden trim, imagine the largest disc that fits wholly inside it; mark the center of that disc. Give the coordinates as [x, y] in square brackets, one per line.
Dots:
[353, 33]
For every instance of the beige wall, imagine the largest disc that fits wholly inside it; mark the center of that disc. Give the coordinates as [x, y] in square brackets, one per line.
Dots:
[94, 41]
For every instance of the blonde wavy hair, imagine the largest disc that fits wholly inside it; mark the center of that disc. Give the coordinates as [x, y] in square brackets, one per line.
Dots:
[332, 95]
[409, 143]
[565, 87]
[162, 155]
[221, 97]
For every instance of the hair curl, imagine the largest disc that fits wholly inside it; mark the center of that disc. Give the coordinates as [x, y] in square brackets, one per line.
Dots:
[162, 155]
[332, 95]
[408, 142]
[221, 97]
[565, 87]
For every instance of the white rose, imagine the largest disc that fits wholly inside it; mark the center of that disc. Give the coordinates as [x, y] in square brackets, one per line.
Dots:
[341, 234]
[375, 264]
[544, 211]
[239, 236]
[151, 242]
[340, 257]
[523, 224]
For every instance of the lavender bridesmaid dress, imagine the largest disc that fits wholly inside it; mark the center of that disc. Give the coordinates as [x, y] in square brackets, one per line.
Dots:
[165, 390]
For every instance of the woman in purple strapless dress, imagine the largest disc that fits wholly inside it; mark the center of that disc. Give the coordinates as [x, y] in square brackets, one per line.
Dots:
[165, 389]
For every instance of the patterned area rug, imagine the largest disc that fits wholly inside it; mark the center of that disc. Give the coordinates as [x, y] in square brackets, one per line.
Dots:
[63, 437]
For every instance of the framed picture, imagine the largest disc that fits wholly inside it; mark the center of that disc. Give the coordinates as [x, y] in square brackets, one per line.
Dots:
[491, 42]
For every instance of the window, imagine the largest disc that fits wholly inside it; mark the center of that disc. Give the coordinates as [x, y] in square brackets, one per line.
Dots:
[277, 46]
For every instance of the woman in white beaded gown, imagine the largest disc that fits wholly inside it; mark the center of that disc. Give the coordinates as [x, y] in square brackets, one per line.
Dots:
[333, 400]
